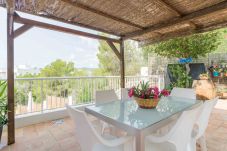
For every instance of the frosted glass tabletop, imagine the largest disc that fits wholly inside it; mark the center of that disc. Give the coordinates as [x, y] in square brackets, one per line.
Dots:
[128, 112]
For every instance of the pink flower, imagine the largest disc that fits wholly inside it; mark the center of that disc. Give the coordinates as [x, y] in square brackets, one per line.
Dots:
[131, 92]
[156, 90]
[165, 92]
[142, 96]
[155, 96]
[148, 92]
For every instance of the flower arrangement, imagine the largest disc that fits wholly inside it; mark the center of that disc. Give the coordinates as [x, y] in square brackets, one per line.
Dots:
[144, 91]
[146, 96]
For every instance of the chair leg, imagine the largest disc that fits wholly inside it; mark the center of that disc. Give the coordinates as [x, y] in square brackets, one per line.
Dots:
[202, 143]
[192, 145]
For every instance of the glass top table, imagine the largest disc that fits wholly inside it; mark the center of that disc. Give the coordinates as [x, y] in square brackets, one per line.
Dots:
[126, 114]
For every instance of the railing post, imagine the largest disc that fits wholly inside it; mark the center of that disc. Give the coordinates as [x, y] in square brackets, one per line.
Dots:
[42, 103]
[159, 82]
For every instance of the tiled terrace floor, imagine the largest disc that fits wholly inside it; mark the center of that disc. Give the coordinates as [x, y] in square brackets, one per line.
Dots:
[60, 137]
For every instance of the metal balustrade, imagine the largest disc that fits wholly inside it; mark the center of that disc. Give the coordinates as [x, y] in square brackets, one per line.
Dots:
[42, 94]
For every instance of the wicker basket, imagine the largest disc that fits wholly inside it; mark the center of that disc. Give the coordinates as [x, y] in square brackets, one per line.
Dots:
[147, 103]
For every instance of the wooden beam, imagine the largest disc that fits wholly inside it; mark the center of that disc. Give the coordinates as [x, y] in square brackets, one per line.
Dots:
[170, 8]
[10, 78]
[183, 34]
[101, 13]
[187, 18]
[112, 46]
[21, 30]
[122, 64]
[62, 29]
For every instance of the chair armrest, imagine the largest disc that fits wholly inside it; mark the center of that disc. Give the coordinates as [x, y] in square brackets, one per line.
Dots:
[116, 142]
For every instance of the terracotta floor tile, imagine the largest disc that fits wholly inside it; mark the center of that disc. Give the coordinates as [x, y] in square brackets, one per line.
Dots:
[49, 136]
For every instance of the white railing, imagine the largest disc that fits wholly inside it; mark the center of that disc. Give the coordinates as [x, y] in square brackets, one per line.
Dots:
[41, 94]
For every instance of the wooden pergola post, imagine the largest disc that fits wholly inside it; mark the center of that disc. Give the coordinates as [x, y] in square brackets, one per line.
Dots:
[122, 63]
[10, 76]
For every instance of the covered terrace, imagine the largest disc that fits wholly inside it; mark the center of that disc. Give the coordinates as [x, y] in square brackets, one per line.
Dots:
[145, 21]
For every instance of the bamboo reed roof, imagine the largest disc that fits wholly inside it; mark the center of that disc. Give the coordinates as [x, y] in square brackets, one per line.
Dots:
[147, 21]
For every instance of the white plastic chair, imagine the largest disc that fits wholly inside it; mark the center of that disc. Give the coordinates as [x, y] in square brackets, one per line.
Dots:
[105, 96]
[201, 125]
[178, 137]
[183, 93]
[90, 140]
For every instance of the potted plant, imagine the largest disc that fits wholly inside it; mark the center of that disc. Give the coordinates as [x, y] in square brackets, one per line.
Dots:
[216, 71]
[179, 76]
[225, 72]
[147, 97]
[3, 107]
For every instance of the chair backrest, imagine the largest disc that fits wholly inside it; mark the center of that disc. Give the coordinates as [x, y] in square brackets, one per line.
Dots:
[184, 93]
[181, 132]
[105, 96]
[204, 116]
[124, 94]
[85, 133]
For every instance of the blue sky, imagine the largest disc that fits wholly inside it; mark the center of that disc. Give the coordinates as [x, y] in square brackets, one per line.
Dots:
[38, 47]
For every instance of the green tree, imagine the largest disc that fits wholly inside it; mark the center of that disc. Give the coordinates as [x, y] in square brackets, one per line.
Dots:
[58, 68]
[109, 64]
[197, 45]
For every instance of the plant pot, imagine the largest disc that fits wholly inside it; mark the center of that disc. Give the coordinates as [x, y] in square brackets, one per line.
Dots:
[147, 103]
[226, 74]
[205, 89]
[215, 73]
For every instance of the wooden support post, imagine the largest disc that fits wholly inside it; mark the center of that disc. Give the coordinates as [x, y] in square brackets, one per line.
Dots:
[10, 77]
[122, 64]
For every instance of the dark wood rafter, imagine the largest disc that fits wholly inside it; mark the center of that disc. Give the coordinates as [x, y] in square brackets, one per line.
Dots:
[122, 64]
[21, 30]
[197, 30]
[184, 19]
[113, 47]
[101, 13]
[62, 29]
[191, 23]
[170, 8]
[10, 77]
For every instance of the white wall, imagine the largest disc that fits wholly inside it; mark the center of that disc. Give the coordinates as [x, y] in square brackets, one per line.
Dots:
[39, 117]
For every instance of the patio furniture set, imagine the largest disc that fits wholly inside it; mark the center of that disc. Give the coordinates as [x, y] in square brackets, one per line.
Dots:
[177, 123]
